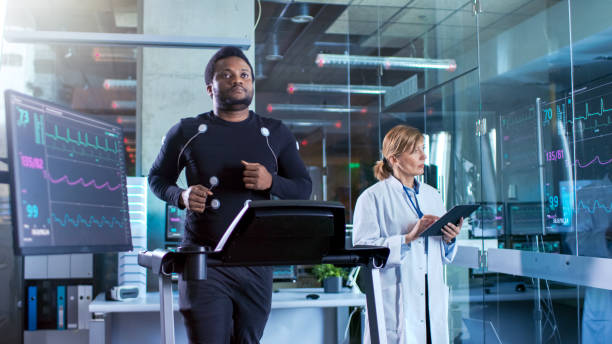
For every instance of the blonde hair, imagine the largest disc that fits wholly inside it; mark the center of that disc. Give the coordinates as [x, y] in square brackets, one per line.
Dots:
[399, 139]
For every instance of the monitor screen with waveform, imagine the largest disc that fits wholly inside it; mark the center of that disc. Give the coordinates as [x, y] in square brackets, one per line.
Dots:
[68, 183]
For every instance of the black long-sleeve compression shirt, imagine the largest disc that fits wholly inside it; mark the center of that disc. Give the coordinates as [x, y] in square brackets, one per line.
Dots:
[207, 146]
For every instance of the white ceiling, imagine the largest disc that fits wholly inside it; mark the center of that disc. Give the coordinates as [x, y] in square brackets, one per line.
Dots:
[443, 21]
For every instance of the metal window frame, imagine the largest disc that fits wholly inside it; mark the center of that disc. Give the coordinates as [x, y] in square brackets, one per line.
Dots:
[122, 39]
[564, 268]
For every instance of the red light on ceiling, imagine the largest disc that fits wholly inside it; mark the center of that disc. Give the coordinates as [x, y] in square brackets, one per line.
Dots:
[96, 54]
[131, 155]
[290, 88]
[338, 124]
[119, 119]
[269, 108]
[125, 140]
[429, 111]
[452, 67]
[364, 110]
[320, 62]
[304, 142]
[387, 64]
[106, 85]
[114, 104]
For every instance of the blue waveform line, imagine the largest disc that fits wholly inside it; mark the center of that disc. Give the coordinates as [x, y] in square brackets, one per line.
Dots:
[67, 219]
[596, 205]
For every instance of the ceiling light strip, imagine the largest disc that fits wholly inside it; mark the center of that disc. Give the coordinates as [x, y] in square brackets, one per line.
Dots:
[356, 89]
[314, 108]
[119, 84]
[333, 60]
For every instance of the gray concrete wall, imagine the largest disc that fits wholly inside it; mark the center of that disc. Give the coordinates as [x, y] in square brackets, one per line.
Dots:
[172, 80]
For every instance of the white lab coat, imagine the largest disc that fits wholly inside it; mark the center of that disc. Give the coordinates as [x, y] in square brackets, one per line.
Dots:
[382, 217]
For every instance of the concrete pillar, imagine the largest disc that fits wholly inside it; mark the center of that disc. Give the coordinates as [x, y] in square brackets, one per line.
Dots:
[172, 80]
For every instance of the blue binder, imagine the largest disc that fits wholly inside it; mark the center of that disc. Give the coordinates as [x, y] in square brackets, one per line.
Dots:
[32, 300]
[61, 307]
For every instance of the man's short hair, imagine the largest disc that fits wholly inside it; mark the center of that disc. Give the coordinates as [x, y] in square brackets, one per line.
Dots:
[223, 53]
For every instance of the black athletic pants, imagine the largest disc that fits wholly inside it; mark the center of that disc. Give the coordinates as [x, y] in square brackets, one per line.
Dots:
[231, 306]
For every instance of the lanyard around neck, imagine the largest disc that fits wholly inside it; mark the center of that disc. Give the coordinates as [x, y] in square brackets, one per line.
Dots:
[415, 204]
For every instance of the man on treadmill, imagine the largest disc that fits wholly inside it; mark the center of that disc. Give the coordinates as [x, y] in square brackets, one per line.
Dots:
[230, 155]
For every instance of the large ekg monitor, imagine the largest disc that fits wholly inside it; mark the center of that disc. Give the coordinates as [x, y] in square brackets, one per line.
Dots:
[68, 184]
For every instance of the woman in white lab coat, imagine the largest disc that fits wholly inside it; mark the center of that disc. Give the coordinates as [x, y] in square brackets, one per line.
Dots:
[393, 213]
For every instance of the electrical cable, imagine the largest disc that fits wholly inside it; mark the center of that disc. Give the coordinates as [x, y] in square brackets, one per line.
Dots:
[348, 323]
[258, 15]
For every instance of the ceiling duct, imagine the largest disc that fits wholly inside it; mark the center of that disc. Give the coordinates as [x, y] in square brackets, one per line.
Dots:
[303, 15]
[273, 50]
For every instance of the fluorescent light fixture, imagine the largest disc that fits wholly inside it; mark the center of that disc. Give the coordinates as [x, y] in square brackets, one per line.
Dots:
[337, 60]
[119, 84]
[311, 123]
[315, 108]
[111, 54]
[357, 89]
[123, 104]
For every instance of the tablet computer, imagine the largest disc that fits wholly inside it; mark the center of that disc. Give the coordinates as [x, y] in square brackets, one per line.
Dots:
[452, 216]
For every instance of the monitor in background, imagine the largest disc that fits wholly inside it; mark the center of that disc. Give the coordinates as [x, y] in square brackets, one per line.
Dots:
[284, 273]
[525, 218]
[175, 223]
[67, 178]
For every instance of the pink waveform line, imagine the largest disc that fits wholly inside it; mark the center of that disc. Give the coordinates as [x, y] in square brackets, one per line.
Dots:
[81, 181]
[596, 158]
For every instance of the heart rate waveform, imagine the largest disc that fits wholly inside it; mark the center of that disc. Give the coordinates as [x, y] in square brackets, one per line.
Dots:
[587, 114]
[82, 140]
[89, 222]
[596, 206]
[557, 155]
[596, 158]
[592, 113]
[81, 181]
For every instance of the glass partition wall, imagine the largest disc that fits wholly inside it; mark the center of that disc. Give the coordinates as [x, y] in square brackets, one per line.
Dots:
[513, 99]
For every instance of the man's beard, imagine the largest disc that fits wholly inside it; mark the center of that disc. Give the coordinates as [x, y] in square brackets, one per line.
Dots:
[227, 102]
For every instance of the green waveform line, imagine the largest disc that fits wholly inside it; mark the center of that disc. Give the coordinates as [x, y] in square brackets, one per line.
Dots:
[601, 112]
[80, 141]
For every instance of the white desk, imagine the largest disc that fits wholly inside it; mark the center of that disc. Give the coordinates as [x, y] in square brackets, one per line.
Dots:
[293, 319]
